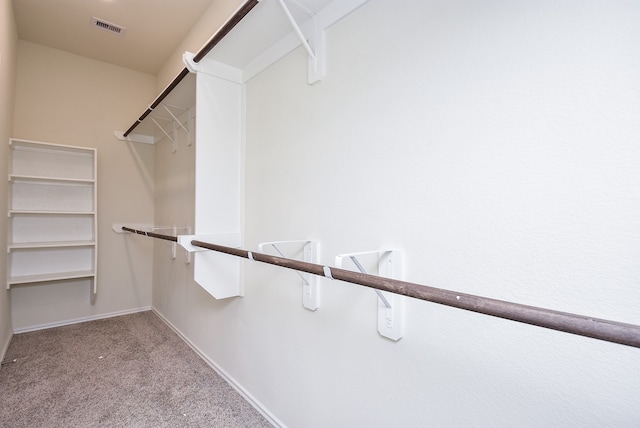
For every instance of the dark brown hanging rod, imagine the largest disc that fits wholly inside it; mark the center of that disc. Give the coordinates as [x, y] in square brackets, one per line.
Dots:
[151, 234]
[607, 330]
[217, 37]
[226, 29]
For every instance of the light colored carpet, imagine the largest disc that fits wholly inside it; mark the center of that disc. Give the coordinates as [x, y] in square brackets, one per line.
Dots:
[128, 371]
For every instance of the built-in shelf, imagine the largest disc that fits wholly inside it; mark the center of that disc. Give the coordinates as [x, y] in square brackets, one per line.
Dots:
[52, 217]
[50, 277]
[51, 244]
[54, 213]
[32, 178]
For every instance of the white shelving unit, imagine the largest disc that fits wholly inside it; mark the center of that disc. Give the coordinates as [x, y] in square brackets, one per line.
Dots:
[52, 214]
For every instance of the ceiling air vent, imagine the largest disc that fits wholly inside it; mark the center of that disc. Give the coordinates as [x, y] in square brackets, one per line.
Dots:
[107, 26]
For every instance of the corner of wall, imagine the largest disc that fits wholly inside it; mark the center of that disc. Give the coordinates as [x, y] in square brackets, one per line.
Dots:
[8, 47]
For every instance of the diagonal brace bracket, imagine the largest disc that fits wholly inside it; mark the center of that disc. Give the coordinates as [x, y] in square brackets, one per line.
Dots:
[310, 284]
[386, 263]
[314, 45]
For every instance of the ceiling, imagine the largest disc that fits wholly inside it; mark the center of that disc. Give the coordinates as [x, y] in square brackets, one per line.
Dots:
[154, 28]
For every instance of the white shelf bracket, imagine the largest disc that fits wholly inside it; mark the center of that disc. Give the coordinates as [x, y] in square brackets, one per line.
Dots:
[315, 45]
[174, 139]
[187, 254]
[310, 284]
[191, 124]
[173, 230]
[170, 137]
[390, 306]
[134, 138]
[177, 123]
[176, 120]
[187, 125]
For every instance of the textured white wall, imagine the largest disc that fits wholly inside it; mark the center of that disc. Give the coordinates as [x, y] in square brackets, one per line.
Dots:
[495, 143]
[68, 99]
[8, 41]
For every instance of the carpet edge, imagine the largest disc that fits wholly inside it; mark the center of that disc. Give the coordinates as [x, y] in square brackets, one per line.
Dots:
[79, 320]
[255, 403]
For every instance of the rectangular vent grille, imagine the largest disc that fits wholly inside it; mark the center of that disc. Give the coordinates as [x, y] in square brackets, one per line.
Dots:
[107, 26]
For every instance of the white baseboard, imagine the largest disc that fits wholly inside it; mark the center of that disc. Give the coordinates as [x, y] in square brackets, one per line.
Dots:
[229, 379]
[5, 346]
[79, 320]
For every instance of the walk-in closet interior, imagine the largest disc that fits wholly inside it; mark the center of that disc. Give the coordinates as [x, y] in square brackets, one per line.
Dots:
[359, 213]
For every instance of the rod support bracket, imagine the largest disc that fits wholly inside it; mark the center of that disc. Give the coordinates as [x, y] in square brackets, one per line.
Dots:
[388, 264]
[314, 44]
[310, 283]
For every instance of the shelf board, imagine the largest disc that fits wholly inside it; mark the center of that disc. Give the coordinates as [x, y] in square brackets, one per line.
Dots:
[50, 244]
[55, 149]
[32, 212]
[48, 277]
[49, 180]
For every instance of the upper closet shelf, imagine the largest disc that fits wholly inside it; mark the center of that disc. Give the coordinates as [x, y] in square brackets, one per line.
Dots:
[174, 113]
[256, 36]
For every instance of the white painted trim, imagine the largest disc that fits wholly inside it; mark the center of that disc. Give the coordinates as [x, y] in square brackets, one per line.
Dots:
[228, 378]
[79, 320]
[212, 68]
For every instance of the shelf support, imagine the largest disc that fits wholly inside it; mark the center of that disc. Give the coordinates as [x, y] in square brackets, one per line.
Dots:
[310, 285]
[174, 142]
[315, 46]
[175, 231]
[144, 228]
[191, 123]
[390, 306]
[134, 138]
[176, 124]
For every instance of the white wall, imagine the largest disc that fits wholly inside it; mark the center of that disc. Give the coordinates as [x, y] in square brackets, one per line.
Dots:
[174, 206]
[495, 143]
[67, 99]
[8, 41]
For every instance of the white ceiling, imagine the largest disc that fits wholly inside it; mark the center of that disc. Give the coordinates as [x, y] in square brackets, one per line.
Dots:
[154, 28]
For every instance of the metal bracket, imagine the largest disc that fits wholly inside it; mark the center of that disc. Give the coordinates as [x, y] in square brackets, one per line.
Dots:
[310, 284]
[176, 124]
[188, 129]
[390, 306]
[191, 124]
[174, 230]
[315, 45]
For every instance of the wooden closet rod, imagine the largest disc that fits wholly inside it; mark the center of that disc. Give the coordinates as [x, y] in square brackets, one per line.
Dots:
[151, 234]
[217, 37]
[226, 29]
[607, 330]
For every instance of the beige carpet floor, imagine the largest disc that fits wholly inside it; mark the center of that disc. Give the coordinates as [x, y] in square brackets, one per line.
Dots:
[128, 371]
